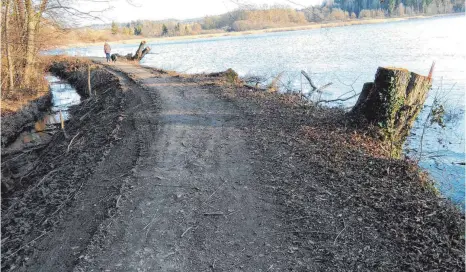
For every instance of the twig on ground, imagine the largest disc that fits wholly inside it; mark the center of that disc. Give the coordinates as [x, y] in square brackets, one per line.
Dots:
[214, 214]
[25, 245]
[84, 116]
[71, 142]
[335, 241]
[224, 181]
[299, 218]
[64, 202]
[25, 150]
[150, 223]
[335, 100]
[177, 186]
[117, 202]
[186, 231]
[34, 187]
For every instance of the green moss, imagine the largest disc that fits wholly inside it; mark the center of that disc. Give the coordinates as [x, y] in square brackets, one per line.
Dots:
[231, 76]
[431, 187]
[393, 103]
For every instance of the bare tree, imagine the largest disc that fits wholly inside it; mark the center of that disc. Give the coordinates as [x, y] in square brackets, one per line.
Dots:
[33, 17]
[8, 46]
[21, 26]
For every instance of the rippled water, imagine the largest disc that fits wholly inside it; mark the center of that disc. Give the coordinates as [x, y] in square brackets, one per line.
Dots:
[348, 57]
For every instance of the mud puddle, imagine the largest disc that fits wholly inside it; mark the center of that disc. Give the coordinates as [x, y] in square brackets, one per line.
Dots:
[63, 97]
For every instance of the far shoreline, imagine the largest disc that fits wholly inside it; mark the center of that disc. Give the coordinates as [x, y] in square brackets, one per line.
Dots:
[259, 31]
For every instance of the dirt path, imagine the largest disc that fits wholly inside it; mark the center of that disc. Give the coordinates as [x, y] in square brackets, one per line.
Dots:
[206, 180]
[192, 203]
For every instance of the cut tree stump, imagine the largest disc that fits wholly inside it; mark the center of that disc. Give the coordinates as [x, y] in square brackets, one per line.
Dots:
[144, 52]
[140, 53]
[391, 103]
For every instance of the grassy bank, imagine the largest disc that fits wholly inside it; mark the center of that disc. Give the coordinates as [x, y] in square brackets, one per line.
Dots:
[250, 32]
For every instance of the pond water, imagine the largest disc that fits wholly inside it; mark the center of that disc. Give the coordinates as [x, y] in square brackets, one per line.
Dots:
[348, 57]
[63, 97]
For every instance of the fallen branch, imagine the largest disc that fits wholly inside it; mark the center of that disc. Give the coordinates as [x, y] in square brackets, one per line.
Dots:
[314, 87]
[335, 100]
[25, 150]
[224, 181]
[64, 202]
[69, 145]
[186, 231]
[213, 214]
[178, 186]
[335, 241]
[118, 201]
[25, 245]
[30, 189]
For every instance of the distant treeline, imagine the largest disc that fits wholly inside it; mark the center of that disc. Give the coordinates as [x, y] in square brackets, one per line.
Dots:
[280, 16]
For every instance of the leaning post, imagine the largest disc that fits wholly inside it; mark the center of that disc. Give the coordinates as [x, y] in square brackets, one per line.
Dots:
[89, 88]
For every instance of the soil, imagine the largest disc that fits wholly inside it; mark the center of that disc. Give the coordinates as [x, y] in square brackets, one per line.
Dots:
[14, 124]
[173, 172]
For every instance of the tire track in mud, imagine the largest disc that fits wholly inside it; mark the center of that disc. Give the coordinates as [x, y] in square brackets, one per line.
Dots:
[61, 249]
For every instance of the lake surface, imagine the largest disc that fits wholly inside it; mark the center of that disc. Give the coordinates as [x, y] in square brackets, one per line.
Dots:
[348, 57]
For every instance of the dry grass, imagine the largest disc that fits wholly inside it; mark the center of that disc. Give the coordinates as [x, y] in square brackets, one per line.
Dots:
[16, 99]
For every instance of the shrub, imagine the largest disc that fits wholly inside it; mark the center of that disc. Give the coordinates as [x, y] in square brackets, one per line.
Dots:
[401, 9]
[337, 14]
[379, 13]
[364, 14]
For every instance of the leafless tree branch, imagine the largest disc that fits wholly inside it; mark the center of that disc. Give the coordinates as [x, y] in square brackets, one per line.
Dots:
[314, 87]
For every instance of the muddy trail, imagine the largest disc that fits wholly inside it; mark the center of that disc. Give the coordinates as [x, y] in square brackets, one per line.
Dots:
[192, 174]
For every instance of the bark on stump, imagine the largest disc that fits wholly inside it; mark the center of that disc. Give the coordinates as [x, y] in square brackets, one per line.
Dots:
[391, 103]
[144, 52]
[139, 53]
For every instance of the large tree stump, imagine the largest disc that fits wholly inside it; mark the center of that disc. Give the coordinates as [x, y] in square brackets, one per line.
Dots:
[138, 54]
[144, 52]
[392, 103]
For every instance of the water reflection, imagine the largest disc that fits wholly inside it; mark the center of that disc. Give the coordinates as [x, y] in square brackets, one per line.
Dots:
[63, 97]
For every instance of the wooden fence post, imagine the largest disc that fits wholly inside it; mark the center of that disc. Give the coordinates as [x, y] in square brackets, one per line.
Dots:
[89, 79]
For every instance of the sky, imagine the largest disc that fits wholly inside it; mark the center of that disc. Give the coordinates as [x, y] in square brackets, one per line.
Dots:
[122, 11]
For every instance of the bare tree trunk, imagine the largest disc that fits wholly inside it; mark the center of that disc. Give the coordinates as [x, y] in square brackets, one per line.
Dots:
[8, 47]
[89, 88]
[30, 42]
[33, 22]
[1, 30]
[20, 21]
[20, 13]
